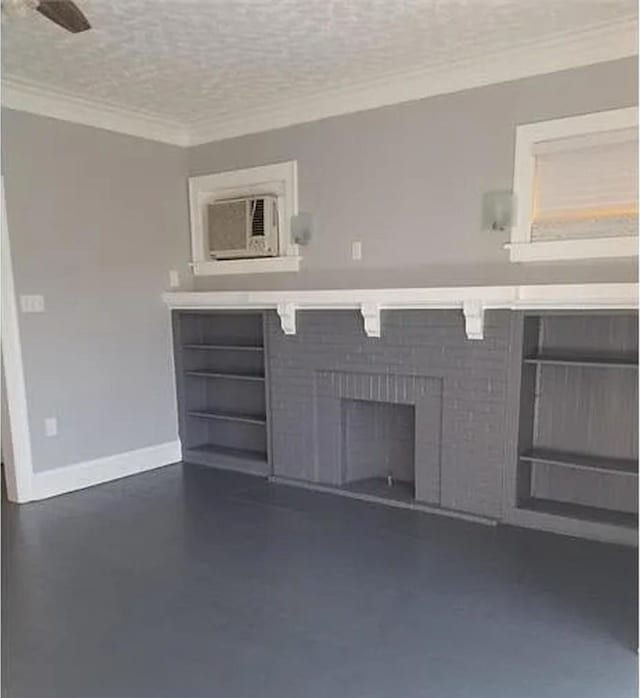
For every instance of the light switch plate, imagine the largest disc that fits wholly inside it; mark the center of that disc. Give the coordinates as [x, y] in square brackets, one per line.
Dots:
[174, 279]
[51, 426]
[32, 303]
[356, 250]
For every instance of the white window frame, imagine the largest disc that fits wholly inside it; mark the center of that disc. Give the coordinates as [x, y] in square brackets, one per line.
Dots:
[280, 179]
[521, 247]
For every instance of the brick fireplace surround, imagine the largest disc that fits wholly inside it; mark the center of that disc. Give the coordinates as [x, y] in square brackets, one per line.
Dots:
[458, 387]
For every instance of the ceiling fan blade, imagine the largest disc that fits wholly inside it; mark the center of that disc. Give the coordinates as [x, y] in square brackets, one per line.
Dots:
[64, 13]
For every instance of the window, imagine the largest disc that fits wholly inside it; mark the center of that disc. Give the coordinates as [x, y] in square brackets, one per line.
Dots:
[575, 182]
[263, 185]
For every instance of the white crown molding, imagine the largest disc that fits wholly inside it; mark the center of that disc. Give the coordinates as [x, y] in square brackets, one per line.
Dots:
[37, 99]
[561, 52]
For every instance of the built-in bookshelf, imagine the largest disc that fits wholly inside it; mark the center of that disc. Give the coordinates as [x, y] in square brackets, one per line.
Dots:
[578, 434]
[221, 382]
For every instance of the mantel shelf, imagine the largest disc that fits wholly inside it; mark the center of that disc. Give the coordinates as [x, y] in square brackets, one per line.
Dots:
[472, 300]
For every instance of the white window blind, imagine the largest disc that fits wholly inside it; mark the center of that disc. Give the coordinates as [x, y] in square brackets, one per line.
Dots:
[586, 187]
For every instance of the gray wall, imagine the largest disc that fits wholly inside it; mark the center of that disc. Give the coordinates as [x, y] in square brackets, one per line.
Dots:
[96, 221]
[407, 181]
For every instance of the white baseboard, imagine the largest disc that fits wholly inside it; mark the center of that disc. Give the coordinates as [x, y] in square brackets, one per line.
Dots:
[50, 483]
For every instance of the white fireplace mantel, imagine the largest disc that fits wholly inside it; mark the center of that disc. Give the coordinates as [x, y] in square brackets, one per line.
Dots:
[472, 300]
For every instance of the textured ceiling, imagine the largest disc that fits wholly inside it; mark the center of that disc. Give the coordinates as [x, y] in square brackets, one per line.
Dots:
[190, 60]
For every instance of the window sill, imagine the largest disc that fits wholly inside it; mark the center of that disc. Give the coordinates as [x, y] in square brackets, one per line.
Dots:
[265, 265]
[588, 248]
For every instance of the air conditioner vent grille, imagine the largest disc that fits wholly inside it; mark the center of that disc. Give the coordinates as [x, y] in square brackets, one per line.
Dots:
[257, 217]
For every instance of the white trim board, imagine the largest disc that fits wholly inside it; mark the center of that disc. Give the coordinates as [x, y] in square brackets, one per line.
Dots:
[265, 265]
[598, 44]
[49, 483]
[472, 300]
[281, 179]
[578, 248]
[18, 462]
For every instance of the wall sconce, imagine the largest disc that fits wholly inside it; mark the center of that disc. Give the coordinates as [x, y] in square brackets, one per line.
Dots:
[301, 228]
[498, 210]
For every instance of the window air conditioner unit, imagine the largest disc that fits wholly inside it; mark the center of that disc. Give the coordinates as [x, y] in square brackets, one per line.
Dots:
[243, 227]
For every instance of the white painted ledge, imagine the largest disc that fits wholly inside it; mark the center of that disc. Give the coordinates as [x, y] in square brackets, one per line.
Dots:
[589, 248]
[265, 265]
[472, 300]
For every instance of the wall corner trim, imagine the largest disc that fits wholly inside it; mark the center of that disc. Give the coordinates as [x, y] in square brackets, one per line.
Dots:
[49, 483]
[18, 459]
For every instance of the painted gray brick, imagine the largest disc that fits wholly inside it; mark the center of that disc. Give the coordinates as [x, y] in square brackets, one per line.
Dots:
[469, 382]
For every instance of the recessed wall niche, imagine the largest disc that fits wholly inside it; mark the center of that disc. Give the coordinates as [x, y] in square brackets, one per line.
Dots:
[378, 448]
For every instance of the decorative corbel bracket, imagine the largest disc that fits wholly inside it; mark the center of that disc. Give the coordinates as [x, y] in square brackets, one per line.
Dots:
[287, 314]
[473, 319]
[371, 316]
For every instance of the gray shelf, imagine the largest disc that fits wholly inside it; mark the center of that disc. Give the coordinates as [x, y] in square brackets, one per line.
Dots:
[237, 459]
[222, 396]
[579, 511]
[584, 362]
[578, 400]
[228, 452]
[229, 416]
[581, 461]
[223, 347]
[222, 374]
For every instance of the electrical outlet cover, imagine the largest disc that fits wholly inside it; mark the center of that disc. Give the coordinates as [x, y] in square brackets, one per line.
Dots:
[32, 303]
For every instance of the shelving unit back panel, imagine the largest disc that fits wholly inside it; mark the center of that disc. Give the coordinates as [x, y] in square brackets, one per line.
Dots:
[587, 410]
[221, 328]
[247, 397]
[613, 334]
[241, 362]
[233, 434]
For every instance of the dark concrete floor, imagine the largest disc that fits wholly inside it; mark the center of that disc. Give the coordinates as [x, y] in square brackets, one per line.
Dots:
[188, 582]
